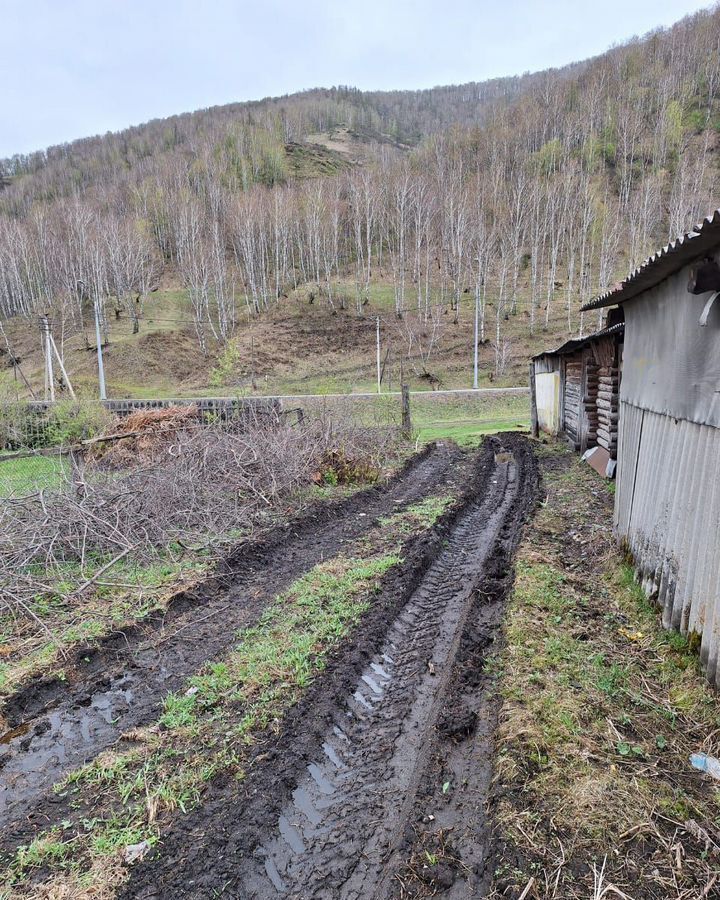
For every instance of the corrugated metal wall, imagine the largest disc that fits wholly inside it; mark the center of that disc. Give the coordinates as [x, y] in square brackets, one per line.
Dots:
[668, 510]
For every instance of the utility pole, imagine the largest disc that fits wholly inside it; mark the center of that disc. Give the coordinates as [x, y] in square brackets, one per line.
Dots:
[377, 346]
[62, 367]
[50, 348]
[475, 360]
[43, 344]
[98, 341]
[49, 376]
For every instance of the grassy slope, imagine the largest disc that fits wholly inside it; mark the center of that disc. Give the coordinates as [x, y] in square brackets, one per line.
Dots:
[601, 710]
[297, 347]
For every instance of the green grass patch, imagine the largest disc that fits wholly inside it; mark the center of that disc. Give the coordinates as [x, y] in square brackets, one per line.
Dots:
[601, 708]
[418, 516]
[27, 475]
[47, 850]
[128, 592]
[464, 417]
[466, 434]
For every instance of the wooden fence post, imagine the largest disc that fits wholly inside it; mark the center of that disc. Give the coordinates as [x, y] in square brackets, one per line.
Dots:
[534, 429]
[406, 420]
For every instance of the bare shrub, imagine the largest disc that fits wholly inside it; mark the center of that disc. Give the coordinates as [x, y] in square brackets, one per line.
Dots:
[202, 483]
[503, 355]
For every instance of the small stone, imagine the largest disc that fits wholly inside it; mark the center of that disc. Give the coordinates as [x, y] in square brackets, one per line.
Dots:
[135, 852]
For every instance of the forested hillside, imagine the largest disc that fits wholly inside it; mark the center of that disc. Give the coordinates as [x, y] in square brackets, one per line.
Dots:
[520, 197]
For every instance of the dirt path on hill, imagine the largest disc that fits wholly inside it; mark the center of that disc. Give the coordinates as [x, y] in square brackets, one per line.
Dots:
[396, 735]
[55, 726]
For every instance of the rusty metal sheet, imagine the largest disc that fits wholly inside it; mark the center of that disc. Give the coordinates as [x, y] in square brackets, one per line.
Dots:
[599, 459]
[577, 343]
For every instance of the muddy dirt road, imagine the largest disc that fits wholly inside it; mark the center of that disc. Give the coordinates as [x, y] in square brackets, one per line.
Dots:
[54, 726]
[389, 753]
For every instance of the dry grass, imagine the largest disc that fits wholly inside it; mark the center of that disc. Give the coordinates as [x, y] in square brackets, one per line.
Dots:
[99, 883]
[594, 795]
[296, 347]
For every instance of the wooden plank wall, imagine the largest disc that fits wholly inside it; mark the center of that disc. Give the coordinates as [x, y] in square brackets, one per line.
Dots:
[590, 401]
[608, 391]
[608, 410]
[591, 392]
[572, 398]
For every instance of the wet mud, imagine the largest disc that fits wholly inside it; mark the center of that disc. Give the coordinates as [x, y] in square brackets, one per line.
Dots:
[54, 726]
[391, 750]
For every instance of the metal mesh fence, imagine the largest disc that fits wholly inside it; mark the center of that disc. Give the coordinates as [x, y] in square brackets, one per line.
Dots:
[30, 473]
[434, 414]
[35, 439]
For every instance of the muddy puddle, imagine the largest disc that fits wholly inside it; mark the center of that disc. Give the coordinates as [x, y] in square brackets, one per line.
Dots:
[32, 755]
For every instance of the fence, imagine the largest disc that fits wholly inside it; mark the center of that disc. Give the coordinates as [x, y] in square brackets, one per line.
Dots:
[43, 432]
[459, 415]
[36, 437]
[39, 424]
[31, 472]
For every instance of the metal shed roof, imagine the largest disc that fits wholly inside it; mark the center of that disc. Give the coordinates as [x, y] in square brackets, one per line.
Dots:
[576, 343]
[702, 239]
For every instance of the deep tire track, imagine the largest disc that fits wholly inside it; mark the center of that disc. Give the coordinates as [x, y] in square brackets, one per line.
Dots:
[351, 810]
[122, 681]
[453, 827]
[329, 810]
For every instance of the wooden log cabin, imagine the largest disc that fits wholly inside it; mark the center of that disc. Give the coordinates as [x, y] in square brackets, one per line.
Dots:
[575, 390]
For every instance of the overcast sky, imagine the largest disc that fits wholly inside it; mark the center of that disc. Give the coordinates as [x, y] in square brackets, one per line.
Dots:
[71, 68]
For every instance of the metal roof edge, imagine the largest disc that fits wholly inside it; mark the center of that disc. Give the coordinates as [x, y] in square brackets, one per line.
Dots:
[663, 263]
[577, 343]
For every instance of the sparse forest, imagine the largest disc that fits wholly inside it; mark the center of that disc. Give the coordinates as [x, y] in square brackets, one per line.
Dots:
[518, 197]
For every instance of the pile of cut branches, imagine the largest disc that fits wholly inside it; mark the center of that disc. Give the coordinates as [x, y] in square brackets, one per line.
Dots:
[142, 436]
[183, 485]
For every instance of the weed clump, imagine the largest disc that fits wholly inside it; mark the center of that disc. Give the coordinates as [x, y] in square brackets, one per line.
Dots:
[601, 711]
[339, 467]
